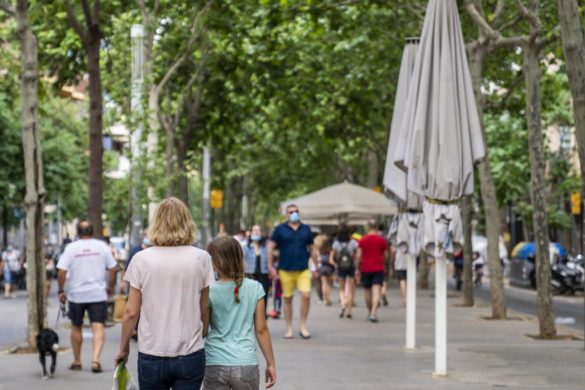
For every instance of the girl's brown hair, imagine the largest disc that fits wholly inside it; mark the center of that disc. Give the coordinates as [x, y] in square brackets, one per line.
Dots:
[228, 260]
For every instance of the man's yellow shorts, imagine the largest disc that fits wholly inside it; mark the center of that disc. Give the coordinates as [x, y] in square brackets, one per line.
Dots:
[289, 280]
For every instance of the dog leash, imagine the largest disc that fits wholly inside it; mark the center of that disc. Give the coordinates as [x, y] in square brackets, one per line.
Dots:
[62, 312]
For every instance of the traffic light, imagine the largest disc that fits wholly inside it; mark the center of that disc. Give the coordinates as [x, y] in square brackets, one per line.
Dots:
[576, 203]
[216, 200]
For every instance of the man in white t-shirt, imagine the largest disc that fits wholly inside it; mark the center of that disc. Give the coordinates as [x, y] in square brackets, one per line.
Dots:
[86, 262]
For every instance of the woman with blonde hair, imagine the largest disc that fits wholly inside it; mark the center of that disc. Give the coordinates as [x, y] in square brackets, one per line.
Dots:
[169, 289]
[325, 267]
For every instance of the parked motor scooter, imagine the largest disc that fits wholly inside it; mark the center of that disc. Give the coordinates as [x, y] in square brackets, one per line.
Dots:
[566, 278]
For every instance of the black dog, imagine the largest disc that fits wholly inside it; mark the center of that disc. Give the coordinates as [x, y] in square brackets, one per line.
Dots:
[48, 344]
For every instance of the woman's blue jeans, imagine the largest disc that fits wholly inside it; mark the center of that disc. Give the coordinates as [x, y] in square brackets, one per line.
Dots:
[178, 373]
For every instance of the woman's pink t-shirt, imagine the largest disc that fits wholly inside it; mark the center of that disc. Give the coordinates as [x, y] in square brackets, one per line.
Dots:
[170, 280]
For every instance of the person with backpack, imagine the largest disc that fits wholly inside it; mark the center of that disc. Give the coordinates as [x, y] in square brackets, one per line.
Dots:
[237, 323]
[343, 257]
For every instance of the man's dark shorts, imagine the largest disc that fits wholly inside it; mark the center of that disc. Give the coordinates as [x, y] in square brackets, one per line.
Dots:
[98, 312]
[371, 278]
[400, 274]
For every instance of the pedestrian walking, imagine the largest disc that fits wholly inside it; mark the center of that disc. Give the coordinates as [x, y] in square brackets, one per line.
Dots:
[85, 264]
[343, 254]
[371, 256]
[237, 322]
[169, 289]
[12, 270]
[50, 267]
[326, 269]
[458, 269]
[400, 271]
[256, 258]
[388, 271]
[295, 243]
[478, 264]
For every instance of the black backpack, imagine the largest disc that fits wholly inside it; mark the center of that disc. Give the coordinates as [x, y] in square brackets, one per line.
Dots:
[345, 259]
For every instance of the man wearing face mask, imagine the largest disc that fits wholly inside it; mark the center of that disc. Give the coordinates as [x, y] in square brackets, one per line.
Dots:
[294, 241]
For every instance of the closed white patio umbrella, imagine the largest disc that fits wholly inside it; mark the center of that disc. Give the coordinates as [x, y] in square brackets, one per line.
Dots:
[442, 134]
[404, 232]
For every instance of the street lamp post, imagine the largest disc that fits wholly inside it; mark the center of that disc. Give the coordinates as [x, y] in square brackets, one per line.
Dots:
[137, 36]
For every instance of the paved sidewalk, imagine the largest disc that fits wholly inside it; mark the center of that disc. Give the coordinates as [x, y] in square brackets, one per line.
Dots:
[355, 354]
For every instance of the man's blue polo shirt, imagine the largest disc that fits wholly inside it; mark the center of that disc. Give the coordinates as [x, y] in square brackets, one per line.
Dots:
[293, 246]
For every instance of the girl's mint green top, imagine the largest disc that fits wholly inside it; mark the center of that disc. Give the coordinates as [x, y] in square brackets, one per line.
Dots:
[231, 340]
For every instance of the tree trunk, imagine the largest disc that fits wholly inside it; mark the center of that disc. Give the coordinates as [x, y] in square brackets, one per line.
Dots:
[96, 146]
[574, 49]
[169, 160]
[33, 164]
[488, 194]
[467, 252]
[423, 268]
[5, 226]
[532, 52]
[373, 169]
[182, 178]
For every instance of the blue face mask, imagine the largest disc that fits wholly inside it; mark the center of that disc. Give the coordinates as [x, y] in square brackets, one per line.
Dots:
[256, 237]
[294, 217]
[146, 242]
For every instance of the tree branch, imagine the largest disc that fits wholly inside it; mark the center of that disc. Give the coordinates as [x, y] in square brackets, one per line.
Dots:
[480, 21]
[531, 16]
[6, 7]
[490, 33]
[503, 98]
[180, 59]
[498, 14]
[87, 14]
[74, 23]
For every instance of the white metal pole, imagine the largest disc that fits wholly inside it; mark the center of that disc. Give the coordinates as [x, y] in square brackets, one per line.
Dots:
[411, 302]
[206, 195]
[440, 316]
[137, 36]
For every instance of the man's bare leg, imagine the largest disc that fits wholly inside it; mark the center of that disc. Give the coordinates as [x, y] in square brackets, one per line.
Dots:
[76, 340]
[98, 340]
[288, 316]
[403, 290]
[305, 304]
[368, 296]
[376, 290]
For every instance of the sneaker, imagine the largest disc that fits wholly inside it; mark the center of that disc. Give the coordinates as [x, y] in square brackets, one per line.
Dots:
[372, 319]
[384, 300]
[342, 312]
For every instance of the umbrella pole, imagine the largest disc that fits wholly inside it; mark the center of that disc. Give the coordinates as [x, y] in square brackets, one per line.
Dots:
[441, 316]
[411, 302]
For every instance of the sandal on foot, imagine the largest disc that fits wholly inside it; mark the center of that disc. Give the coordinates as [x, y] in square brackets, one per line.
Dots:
[288, 337]
[304, 337]
[96, 367]
[75, 367]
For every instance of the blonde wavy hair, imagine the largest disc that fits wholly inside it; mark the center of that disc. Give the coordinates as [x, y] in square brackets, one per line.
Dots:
[172, 224]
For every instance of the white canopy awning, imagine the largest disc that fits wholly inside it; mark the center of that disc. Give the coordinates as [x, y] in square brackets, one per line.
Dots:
[344, 202]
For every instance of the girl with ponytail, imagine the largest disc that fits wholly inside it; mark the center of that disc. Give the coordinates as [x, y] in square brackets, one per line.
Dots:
[237, 320]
